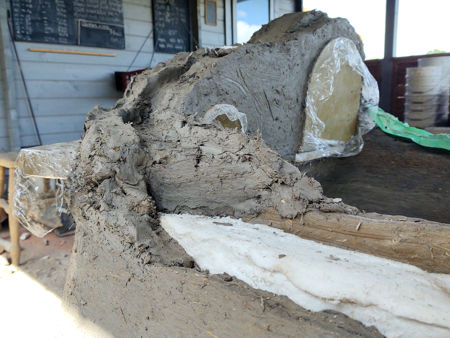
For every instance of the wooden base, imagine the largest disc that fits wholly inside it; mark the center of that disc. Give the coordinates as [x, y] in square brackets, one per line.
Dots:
[422, 243]
[7, 160]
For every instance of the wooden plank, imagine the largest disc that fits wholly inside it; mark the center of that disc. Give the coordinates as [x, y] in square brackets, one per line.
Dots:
[64, 51]
[123, 57]
[8, 160]
[2, 181]
[422, 243]
[13, 221]
[4, 207]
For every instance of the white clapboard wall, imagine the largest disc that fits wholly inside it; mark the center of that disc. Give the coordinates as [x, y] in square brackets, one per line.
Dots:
[281, 7]
[208, 35]
[4, 140]
[63, 88]
[4, 53]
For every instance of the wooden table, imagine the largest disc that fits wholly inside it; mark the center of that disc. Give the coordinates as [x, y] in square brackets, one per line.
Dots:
[8, 161]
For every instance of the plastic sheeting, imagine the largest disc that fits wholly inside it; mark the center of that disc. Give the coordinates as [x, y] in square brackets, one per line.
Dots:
[391, 125]
[50, 161]
[37, 209]
[226, 116]
[40, 174]
[337, 54]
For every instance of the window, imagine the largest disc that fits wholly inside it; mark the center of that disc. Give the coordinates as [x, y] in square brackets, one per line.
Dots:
[251, 15]
[211, 12]
[367, 17]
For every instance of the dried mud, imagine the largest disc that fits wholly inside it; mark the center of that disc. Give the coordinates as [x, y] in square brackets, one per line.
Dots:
[154, 152]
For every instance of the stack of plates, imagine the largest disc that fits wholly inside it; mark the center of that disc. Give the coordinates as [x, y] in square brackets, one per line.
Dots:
[444, 63]
[423, 86]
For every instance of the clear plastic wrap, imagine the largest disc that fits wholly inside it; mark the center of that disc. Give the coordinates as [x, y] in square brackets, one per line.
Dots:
[226, 116]
[339, 79]
[37, 209]
[40, 176]
[50, 161]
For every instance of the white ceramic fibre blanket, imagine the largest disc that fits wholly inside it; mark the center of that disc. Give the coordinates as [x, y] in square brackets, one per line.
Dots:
[401, 300]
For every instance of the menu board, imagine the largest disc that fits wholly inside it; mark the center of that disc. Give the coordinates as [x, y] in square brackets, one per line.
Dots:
[96, 23]
[171, 26]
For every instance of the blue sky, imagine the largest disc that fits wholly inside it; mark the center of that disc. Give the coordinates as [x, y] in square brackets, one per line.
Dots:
[251, 15]
[254, 12]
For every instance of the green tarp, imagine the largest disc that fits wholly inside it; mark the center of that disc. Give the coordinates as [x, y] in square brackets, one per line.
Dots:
[391, 125]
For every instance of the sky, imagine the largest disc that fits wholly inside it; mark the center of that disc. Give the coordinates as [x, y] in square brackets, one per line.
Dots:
[422, 25]
[252, 14]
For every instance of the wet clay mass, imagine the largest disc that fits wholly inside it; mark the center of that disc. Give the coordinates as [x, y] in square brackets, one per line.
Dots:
[154, 142]
[155, 152]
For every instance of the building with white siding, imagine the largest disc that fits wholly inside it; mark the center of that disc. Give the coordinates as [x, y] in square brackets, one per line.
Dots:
[63, 87]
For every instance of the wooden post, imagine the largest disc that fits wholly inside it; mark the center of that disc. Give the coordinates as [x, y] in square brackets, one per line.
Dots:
[13, 222]
[46, 184]
[2, 190]
[2, 181]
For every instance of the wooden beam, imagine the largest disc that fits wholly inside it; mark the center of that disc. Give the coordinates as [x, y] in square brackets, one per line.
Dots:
[389, 52]
[13, 221]
[8, 160]
[422, 243]
[62, 51]
[2, 190]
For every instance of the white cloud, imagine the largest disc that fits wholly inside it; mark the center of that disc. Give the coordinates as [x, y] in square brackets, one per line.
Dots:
[245, 31]
[242, 14]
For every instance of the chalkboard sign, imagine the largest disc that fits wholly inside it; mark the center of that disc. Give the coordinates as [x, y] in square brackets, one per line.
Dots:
[171, 26]
[95, 23]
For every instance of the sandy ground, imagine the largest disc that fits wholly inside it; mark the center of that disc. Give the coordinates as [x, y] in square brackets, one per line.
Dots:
[30, 294]
[44, 260]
